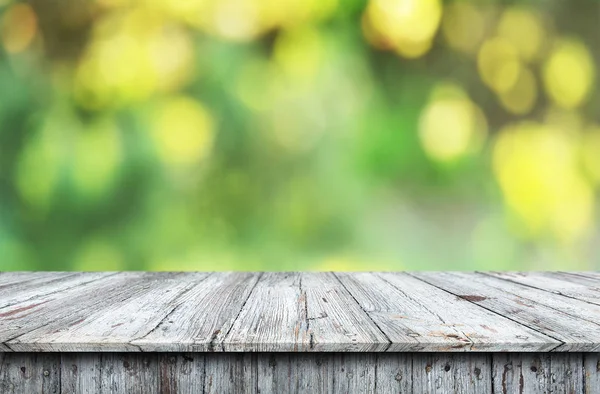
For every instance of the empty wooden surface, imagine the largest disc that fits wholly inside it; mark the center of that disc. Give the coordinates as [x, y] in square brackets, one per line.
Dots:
[299, 312]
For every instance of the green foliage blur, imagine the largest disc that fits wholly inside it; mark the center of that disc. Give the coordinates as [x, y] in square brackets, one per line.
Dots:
[299, 135]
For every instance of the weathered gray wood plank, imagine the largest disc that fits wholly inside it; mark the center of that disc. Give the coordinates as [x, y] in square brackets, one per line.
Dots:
[452, 373]
[59, 310]
[355, 373]
[181, 373]
[203, 316]
[81, 373]
[26, 373]
[571, 286]
[13, 278]
[44, 285]
[566, 373]
[394, 372]
[336, 322]
[113, 326]
[385, 373]
[533, 310]
[230, 373]
[420, 317]
[105, 373]
[36, 324]
[574, 307]
[314, 312]
[295, 373]
[593, 275]
[521, 373]
[591, 364]
[302, 312]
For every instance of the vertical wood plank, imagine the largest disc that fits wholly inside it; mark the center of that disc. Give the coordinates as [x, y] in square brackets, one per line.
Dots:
[432, 373]
[230, 373]
[354, 373]
[181, 373]
[521, 373]
[81, 373]
[591, 364]
[394, 373]
[295, 373]
[133, 373]
[472, 373]
[452, 373]
[26, 373]
[566, 373]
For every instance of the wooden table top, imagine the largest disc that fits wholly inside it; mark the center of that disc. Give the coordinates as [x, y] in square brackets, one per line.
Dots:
[300, 311]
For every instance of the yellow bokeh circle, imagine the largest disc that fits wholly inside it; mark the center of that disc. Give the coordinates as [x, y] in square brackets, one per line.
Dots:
[451, 125]
[408, 26]
[569, 73]
[537, 169]
[182, 131]
[498, 64]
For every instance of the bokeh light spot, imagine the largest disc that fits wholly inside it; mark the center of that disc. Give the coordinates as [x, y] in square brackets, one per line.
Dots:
[521, 97]
[408, 25]
[300, 53]
[538, 173]
[498, 64]
[182, 132]
[18, 27]
[463, 26]
[524, 29]
[569, 73]
[451, 125]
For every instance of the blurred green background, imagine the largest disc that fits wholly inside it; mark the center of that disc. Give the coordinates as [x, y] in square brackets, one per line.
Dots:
[299, 135]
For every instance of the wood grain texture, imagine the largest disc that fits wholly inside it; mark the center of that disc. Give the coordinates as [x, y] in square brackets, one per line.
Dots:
[386, 373]
[58, 311]
[591, 370]
[181, 373]
[451, 373]
[520, 373]
[571, 286]
[419, 317]
[203, 316]
[306, 312]
[109, 373]
[558, 317]
[115, 325]
[26, 373]
[394, 372]
[302, 312]
[231, 373]
[295, 372]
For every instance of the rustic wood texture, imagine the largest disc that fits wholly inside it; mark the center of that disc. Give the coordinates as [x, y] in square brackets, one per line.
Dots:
[194, 373]
[109, 373]
[25, 373]
[303, 312]
[417, 316]
[575, 324]
[299, 312]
